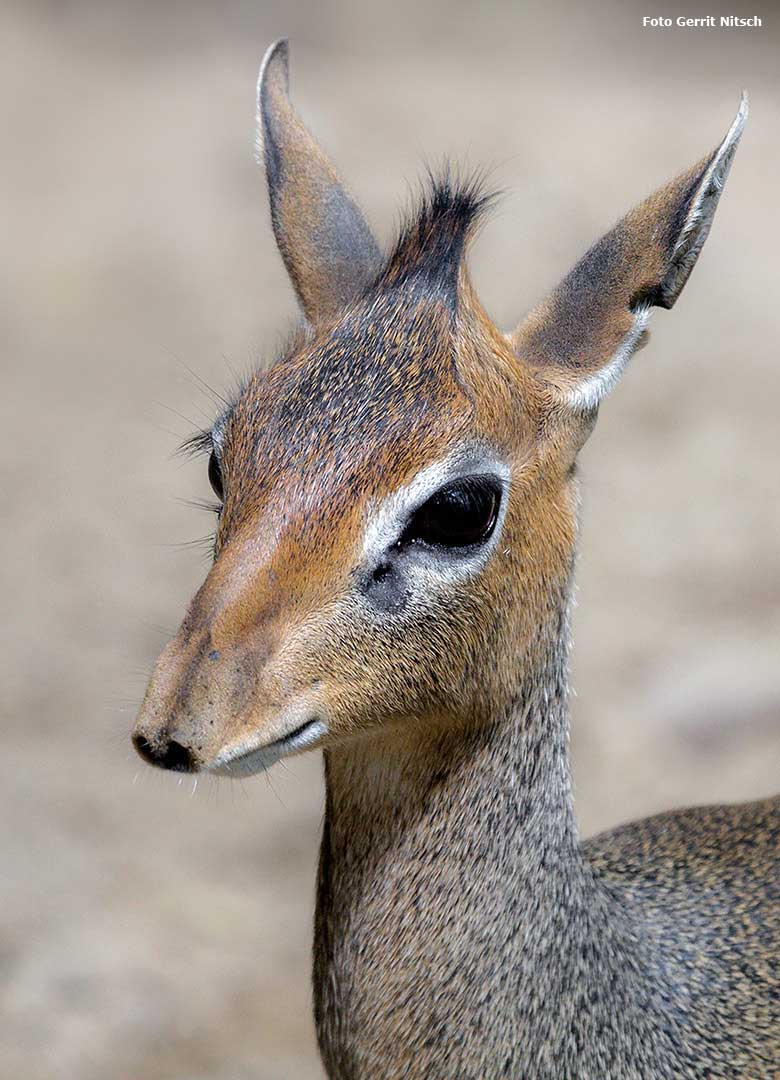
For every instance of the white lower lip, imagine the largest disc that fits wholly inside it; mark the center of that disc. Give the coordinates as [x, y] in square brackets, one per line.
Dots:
[239, 763]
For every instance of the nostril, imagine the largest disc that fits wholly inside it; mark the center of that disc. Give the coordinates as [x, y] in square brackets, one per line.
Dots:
[177, 757]
[144, 748]
[168, 755]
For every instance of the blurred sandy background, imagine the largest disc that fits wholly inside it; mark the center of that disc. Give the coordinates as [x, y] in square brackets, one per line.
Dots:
[153, 931]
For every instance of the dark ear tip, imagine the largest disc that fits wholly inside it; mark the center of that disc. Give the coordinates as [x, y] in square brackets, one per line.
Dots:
[273, 78]
[744, 105]
[734, 134]
[742, 113]
[714, 176]
[276, 64]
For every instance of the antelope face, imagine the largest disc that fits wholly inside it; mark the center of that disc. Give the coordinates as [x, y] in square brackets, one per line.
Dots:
[397, 507]
[371, 522]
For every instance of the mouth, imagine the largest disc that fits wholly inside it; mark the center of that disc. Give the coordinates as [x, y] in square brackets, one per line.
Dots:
[244, 760]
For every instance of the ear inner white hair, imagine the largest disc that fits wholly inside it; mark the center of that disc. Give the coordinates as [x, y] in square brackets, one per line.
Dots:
[594, 388]
[587, 394]
[580, 338]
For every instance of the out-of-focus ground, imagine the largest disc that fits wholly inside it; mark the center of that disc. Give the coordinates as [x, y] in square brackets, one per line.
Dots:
[153, 931]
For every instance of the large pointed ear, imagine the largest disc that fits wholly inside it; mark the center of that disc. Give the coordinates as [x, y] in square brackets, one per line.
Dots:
[581, 337]
[325, 242]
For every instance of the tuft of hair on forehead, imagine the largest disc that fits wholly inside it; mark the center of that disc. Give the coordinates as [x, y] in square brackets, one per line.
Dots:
[428, 253]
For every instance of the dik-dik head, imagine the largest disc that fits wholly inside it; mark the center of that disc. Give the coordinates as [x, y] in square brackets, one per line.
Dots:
[398, 504]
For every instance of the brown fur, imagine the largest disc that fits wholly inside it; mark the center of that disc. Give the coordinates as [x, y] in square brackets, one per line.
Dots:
[463, 930]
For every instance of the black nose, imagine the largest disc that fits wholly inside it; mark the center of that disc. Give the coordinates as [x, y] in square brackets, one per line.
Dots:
[165, 755]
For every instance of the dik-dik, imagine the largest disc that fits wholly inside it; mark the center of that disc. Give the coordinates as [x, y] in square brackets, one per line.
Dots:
[391, 583]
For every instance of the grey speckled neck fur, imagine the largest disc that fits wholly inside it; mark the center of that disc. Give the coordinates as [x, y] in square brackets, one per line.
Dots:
[463, 931]
[460, 929]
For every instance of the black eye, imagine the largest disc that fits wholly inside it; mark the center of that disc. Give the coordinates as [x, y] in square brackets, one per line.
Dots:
[215, 476]
[459, 515]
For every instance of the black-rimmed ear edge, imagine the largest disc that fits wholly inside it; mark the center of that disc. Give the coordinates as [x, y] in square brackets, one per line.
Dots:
[580, 338]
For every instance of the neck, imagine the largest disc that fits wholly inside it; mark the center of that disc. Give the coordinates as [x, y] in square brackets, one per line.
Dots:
[450, 871]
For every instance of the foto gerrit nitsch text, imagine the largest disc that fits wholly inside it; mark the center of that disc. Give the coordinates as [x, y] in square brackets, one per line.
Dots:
[704, 22]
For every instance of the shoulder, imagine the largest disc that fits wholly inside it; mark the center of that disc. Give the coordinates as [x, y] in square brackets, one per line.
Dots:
[701, 889]
[713, 847]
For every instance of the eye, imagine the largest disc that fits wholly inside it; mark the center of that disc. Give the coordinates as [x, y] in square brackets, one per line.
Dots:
[215, 476]
[459, 515]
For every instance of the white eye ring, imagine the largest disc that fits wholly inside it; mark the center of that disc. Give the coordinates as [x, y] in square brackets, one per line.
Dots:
[388, 519]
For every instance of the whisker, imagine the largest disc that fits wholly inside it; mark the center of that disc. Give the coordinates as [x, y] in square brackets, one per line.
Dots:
[212, 391]
[181, 416]
[267, 774]
[234, 373]
[201, 504]
[199, 542]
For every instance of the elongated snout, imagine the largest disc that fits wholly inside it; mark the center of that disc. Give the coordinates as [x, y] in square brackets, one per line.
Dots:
[232, 684]
[216, 711]
[212, 677]
[212, 683]
[177, 721]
